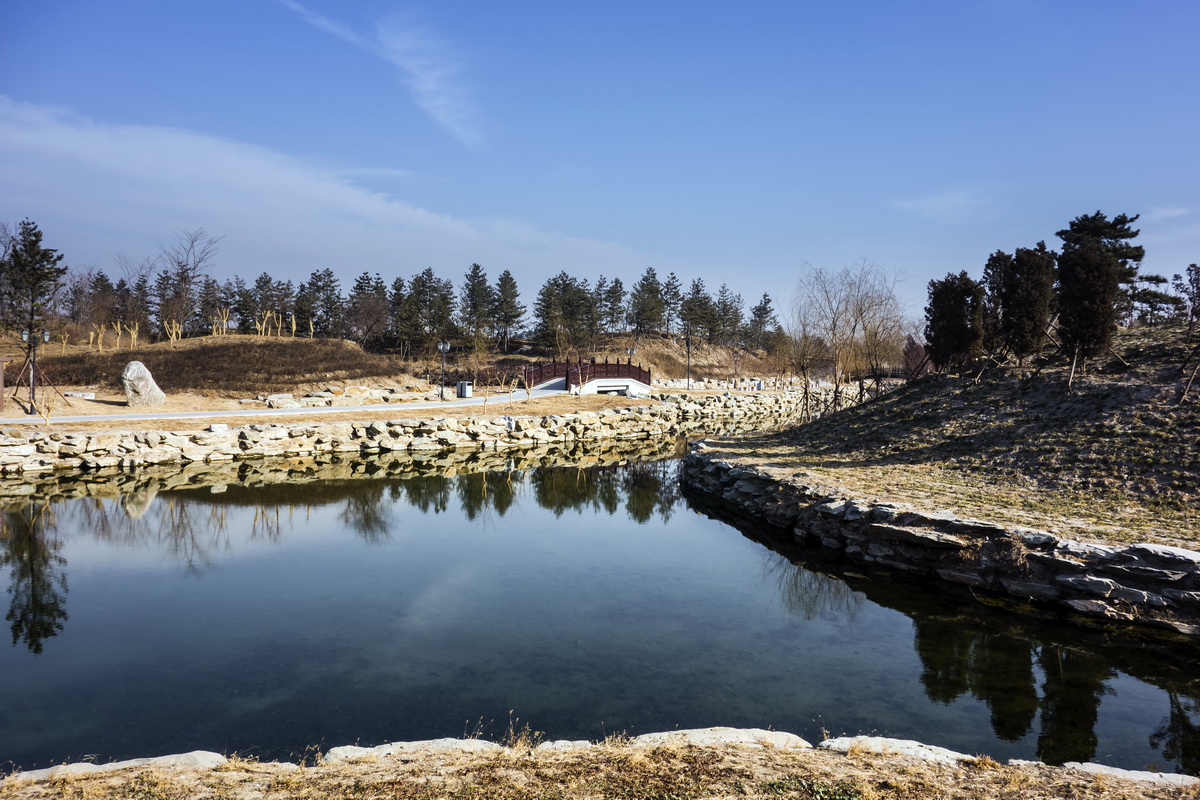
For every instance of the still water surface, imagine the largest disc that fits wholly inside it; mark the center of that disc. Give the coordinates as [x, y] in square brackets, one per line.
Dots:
[273, 620]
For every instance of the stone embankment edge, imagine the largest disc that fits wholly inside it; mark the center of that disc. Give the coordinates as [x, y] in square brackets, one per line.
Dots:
[701, 737]
[1142, 584]
[38, 451]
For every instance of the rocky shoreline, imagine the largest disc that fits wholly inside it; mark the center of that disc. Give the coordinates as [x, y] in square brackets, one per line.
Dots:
[26, 453]
[717, 738]
[1141, 584]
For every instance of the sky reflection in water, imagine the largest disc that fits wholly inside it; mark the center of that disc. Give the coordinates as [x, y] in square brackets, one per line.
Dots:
[587, 601]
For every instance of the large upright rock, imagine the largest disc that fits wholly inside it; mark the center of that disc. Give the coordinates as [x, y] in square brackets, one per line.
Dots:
[140, 389]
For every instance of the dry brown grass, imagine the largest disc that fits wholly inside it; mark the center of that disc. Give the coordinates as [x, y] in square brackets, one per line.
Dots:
[1117, 459]
[613, 770]
[497, 405]
[247, 365]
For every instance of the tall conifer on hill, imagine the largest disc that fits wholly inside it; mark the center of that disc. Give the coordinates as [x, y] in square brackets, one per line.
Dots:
[1025, 296]
[1097, 258]
[32, 278]
[954, 320]
[507, 311]
[646, 307]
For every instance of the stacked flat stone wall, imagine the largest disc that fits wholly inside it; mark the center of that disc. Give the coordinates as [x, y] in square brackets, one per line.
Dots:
[1145, 584]
[672, 414]
[135, 487]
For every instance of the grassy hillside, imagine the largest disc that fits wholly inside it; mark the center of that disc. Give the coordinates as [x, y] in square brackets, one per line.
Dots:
[241, 365]
[1118, 457]
[248, 365]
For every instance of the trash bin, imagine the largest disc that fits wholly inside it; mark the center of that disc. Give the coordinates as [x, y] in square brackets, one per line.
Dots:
[464, 388]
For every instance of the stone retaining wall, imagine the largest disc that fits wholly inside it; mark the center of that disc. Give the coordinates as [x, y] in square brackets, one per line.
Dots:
[135, 488]
[1146, 584]
[673, 414]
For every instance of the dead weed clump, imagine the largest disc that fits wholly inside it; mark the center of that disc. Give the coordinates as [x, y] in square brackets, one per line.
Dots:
[614, 769]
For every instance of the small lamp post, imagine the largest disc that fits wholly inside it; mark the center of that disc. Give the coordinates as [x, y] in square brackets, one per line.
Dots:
[443, 348]
[31, 338]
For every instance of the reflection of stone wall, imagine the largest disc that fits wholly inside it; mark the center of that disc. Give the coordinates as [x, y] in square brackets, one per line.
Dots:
[1145, 584]
[676, 414]
[136, 487]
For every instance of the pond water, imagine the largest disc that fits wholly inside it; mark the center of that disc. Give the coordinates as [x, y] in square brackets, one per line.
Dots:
[276, 619]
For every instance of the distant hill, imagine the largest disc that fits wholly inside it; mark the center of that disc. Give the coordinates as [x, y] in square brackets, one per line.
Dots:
[245, 364]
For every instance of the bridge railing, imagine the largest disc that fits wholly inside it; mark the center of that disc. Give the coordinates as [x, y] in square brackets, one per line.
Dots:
[580, 372]
[545, 372]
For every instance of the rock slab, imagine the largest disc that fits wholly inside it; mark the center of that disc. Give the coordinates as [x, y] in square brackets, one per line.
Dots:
[140, 389]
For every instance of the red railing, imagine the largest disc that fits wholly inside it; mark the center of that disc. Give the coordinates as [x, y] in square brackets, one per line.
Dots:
[578, 373]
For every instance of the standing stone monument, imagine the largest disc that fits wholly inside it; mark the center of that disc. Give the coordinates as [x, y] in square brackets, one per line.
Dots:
[140, 389]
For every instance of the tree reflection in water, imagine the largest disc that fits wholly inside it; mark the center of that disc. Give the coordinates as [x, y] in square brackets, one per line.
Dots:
[1179, 735]
[813, 594]
[649, 489]
[29, 546]
[1030, 679]
[962, 653]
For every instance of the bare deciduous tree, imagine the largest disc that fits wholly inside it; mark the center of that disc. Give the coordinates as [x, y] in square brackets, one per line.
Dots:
[854, 313]
[182, 264]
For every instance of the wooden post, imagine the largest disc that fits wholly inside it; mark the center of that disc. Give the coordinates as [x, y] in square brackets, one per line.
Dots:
[3, 362]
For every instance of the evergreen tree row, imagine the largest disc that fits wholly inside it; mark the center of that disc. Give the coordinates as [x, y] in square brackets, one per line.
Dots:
[172, 295]
[1035, 297]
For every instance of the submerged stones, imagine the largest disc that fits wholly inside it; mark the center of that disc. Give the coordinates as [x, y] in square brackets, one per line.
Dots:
[1143, 584]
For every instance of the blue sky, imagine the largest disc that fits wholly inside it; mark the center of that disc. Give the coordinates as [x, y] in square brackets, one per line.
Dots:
[731, 142]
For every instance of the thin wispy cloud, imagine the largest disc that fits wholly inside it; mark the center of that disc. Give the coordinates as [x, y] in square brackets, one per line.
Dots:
[1163, 213]
[98, 190]
[428, 67]
[326, 24]
[951, 206]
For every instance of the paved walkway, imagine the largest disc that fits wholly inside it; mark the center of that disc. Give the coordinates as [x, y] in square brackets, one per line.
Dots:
[401, 408]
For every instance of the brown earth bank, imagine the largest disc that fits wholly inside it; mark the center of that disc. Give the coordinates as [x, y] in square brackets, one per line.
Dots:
[187, 402]
[245, 365]
[1114, 459]
[617, 768]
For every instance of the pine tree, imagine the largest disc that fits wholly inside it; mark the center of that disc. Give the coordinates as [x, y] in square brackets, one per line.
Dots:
[1114, 236]
[1088, 278]
[598, 293]
[728, 309]
[507, 311]
[995, 277]
[431, 302]
[954, 320]
[646, 307]
[762, 322]
[697, 312]
[401, 319]
[1188, 287]
[672, 295]
[1025, 297]
[184, 264]
[211, 299]
[319, 304]
[367, 310]
[133, 303]
[564, 315]
[32, 279]
[613, 310]
[476, 302]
